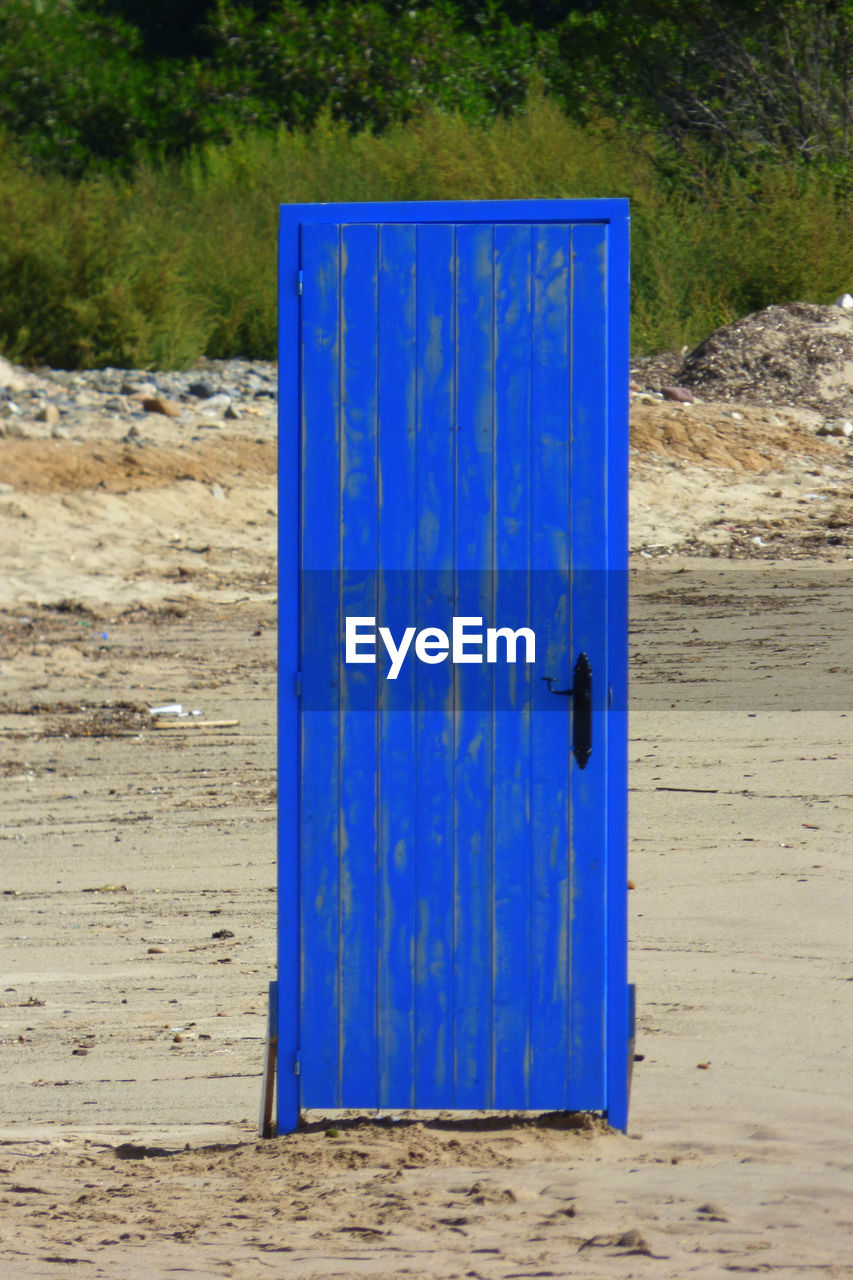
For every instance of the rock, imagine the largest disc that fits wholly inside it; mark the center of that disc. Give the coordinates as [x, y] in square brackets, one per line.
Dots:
[218, 492]
[60, 433]
[138, 389]
[214, 403]
[201, 390]
[844, 301]
[232, 413]
[841, 430]
[159, 404]
[712, 1212]
[10, 377]
[15, 431]
[8, 408]
[682, 395]
[117, 404]
[6, 488]
[48, 413]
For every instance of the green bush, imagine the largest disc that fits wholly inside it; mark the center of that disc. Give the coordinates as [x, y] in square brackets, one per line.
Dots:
[179, 260]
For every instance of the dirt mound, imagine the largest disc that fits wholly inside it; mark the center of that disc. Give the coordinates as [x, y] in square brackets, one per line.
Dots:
[794, 354]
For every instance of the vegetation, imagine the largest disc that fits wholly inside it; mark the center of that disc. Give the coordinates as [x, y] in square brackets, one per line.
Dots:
[148, 144]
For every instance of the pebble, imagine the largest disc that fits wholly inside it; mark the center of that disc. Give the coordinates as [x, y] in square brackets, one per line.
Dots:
[139, 389]
[159, 404]
[840, 430]
[714, 1212]
[214, 392]
[681, 395]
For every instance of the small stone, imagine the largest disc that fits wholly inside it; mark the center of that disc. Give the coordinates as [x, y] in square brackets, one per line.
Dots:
[845, 301]
[15, 431]
[518, 1195]
[157, 951]
[216, 404]
[218, 492]
[232, 413]
[138, 389]
[116, 404]
[681, 395]
[840, 430]
[713, 1212]
[49, 414]
[159, 404]
[631, 1239]
[60, 433]
[6, 488]
[201, 390]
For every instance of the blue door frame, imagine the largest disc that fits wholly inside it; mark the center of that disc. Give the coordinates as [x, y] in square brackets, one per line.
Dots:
[515, 997]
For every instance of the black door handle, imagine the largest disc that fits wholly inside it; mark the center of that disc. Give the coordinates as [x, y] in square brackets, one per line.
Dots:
[581, 691]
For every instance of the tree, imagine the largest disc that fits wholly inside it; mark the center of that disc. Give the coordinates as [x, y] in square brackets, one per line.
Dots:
[752, 79]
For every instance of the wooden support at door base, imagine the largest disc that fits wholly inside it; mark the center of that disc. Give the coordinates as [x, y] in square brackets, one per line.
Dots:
[266, 1126]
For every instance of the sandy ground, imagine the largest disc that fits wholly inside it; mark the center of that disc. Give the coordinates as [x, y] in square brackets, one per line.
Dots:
[137, 905]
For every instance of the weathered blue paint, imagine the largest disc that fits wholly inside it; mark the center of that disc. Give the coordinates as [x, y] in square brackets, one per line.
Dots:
[454, 421]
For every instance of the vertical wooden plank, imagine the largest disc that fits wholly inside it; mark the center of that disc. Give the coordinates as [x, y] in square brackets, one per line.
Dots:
[619, 1001]
[287, 986]
[550, 560]
[473, 746]
[320, 552]
[512, 762]
[589, 635]
[398, 743]
[435, 807]
[358, 726]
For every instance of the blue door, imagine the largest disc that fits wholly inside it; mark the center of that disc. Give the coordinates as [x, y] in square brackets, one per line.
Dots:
[453, 657]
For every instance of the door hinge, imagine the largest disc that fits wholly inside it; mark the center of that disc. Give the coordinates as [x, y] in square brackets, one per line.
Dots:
[297, 1064]
[297, 684]
[299, 283]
